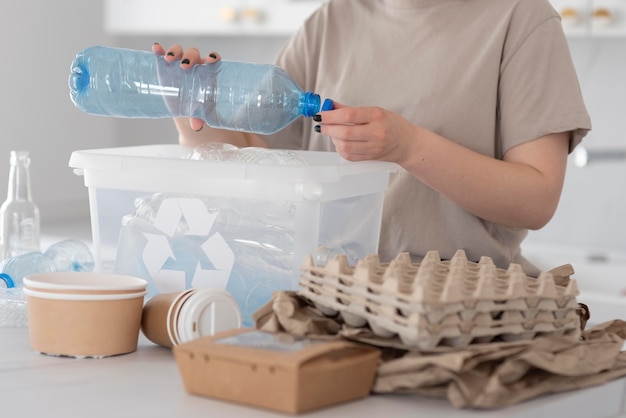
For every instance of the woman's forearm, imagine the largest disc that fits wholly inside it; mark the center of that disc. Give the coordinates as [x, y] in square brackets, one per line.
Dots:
[522, 190]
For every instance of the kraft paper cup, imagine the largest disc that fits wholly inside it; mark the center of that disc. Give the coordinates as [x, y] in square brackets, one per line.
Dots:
[84, 320]
[156, 315]
[170, 319]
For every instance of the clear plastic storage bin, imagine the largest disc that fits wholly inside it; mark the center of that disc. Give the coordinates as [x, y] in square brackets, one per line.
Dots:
[247, 228]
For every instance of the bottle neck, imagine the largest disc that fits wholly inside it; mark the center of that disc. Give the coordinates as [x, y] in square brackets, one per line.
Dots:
[309, 104]
[19, 177]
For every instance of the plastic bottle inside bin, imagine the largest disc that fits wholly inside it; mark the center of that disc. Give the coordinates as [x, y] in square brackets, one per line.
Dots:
[66, 255]
[231, 95]
[213, 151]
[249, 155]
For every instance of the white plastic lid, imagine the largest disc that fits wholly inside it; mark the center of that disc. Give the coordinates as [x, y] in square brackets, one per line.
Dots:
[207, 312]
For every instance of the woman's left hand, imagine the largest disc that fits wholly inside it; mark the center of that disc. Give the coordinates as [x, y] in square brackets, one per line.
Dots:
[366, 133]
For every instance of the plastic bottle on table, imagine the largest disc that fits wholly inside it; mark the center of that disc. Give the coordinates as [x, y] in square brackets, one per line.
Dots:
[66, 255]
[71, 255]
[19, 214]
[231, 95]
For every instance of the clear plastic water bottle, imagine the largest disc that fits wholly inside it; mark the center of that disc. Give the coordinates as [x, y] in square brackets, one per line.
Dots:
[71, 255]
[66, 255]
[20, 219]
[14, 269]
[232, 95]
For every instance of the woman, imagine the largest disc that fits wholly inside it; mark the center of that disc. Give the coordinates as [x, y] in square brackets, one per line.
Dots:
[476, 100]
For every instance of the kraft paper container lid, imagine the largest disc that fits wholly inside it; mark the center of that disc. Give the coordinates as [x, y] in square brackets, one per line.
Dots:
[233, 344]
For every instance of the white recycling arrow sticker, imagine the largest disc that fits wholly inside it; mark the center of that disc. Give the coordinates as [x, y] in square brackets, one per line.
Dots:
[158, 250]
[191, 213]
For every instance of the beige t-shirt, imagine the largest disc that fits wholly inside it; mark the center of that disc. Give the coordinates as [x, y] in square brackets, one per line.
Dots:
[487, 74]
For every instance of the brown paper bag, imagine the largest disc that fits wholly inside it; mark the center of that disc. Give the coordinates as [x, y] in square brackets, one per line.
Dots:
[487, 376]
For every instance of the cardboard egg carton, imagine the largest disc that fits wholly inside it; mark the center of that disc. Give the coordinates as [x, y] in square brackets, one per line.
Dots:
[436, 303]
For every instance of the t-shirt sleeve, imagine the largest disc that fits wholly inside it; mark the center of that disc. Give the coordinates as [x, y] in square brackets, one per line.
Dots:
[539, 91]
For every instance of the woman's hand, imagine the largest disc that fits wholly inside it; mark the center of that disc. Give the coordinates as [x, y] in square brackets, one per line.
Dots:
[188, 58]
[366, 133]
[193, 132]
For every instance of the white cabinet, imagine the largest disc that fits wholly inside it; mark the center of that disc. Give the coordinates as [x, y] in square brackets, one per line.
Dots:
[206, 17]
[592, 18]
[597, 18]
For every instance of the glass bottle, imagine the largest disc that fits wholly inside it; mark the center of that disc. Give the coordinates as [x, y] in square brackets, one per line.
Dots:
[19, 215]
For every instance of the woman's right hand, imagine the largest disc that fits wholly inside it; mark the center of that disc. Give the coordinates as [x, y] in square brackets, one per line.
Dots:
[190, 131]
[188, 58]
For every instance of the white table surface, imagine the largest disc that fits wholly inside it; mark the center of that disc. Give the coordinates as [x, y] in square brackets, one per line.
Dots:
[146, 383]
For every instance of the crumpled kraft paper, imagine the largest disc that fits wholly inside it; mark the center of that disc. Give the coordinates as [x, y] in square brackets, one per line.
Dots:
[482, 376]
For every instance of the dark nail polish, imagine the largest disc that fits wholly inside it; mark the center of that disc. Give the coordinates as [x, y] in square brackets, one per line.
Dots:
[317, 118]
[212, 55]
[185, 61]
[156, 43]
[171, 54]
[317, 128]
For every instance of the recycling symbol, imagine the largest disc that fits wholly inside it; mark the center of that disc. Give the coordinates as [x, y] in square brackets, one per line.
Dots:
[187, 221]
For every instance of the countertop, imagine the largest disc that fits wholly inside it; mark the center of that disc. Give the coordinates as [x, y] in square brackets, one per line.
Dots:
[146, 383]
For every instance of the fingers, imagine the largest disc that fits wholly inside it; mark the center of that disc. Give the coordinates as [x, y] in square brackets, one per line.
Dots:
[212, 57]
[196, 124]
[188, 57]
[337, 105]
[191, 57]
[158, 49]
[346, 115]
[173, 53]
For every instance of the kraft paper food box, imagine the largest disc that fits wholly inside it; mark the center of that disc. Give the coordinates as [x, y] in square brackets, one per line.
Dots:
[276, 371]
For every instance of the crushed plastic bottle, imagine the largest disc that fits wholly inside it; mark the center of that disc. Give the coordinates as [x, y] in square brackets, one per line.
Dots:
[215, 151]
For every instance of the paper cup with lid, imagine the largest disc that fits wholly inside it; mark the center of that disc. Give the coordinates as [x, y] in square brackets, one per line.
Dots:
[170, 319]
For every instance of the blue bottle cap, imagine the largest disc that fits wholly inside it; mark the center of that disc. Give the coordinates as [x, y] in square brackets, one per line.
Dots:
[328, 105]
[7, 280]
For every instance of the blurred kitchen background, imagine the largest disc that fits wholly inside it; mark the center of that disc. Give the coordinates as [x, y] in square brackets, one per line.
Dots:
[41, 38]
